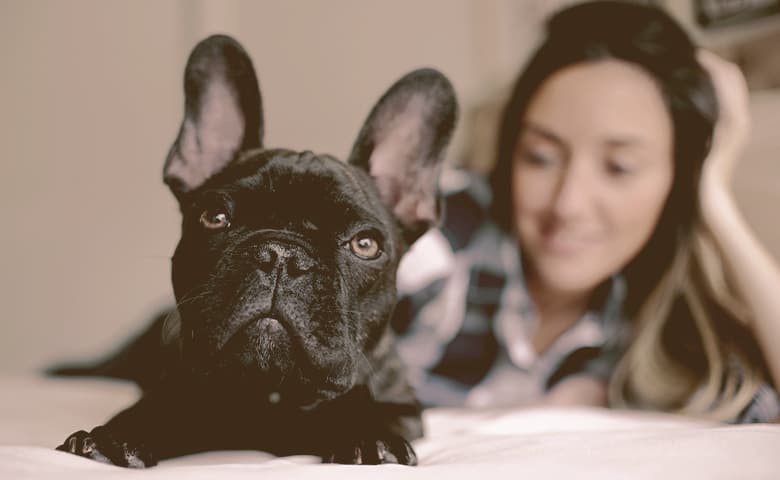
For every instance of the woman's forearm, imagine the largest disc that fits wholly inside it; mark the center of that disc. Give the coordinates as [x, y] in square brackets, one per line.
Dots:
[755, 270]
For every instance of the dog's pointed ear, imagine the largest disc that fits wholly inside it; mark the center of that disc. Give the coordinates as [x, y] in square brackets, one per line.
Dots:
[223, 113]
[402, 146]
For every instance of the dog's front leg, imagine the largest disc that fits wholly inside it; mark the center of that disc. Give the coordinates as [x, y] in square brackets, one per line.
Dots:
[130, 439]
[360, 430]
[378, 419]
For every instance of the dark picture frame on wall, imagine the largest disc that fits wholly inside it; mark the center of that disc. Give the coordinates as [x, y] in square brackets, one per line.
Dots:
[749, 32]
[718, 13]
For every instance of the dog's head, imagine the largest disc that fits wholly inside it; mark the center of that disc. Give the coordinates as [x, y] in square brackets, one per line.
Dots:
[285, 272]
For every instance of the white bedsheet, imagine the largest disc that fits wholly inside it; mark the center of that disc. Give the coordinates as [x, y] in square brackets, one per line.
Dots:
[37, 413]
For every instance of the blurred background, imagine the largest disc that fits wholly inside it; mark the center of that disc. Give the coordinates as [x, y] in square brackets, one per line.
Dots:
[91, 99]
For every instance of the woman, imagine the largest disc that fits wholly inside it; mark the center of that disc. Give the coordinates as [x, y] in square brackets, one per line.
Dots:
[610, 264]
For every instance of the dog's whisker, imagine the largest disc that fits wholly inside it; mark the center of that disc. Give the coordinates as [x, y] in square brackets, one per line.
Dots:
[371, 373]
[193, 295]
[171, 330]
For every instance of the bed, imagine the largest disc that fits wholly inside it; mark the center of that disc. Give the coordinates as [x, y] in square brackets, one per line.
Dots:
[36, 413]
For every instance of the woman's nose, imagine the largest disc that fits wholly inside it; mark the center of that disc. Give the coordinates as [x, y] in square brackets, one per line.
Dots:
[574, 192]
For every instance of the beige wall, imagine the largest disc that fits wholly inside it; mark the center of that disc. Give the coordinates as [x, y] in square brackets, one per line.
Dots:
[90, 100]
[89, 103]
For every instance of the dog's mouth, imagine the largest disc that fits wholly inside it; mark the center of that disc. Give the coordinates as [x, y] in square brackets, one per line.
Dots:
[260, 334]
[267, 325]
[261, 348]
[268, 352]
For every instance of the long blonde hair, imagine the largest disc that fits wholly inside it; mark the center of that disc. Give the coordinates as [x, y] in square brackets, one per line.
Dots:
[650, 377]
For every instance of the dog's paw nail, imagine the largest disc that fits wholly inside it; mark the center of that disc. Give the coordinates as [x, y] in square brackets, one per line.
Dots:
[410, 458]
[88, 446]
[384, 454]
[357, 456]
[396, 450]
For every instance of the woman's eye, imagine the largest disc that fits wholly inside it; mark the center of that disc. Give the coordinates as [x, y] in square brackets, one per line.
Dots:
[364, 247]
[618, 169]
[538, 159]
[214, 219]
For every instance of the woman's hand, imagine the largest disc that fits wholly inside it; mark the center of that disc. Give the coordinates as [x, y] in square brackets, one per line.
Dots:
[733, 127]
[729, 138]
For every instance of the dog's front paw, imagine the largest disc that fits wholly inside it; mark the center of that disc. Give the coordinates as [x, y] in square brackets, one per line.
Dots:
[372, 451]
[101, 445]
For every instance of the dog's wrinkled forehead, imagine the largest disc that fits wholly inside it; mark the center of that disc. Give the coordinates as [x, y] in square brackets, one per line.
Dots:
[392, 169]
[288, 186]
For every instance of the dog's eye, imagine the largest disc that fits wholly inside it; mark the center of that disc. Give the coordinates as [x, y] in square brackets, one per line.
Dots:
[214, 220]
[364, 247]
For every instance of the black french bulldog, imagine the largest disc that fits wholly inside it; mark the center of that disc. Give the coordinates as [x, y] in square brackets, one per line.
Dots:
[284, 279]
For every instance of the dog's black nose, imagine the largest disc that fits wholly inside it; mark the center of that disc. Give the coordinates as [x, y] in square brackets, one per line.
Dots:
[285, 258]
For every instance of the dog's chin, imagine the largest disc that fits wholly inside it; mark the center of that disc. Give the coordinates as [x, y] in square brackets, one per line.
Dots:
[262, 348]
[307, 397]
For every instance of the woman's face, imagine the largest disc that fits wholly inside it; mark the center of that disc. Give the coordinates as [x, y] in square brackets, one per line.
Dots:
[592, 170]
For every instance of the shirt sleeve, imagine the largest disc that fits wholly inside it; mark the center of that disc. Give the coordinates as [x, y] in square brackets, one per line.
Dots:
[764, 408]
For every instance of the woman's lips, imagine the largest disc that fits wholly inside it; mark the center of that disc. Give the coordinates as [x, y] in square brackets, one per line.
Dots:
[566, 244]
